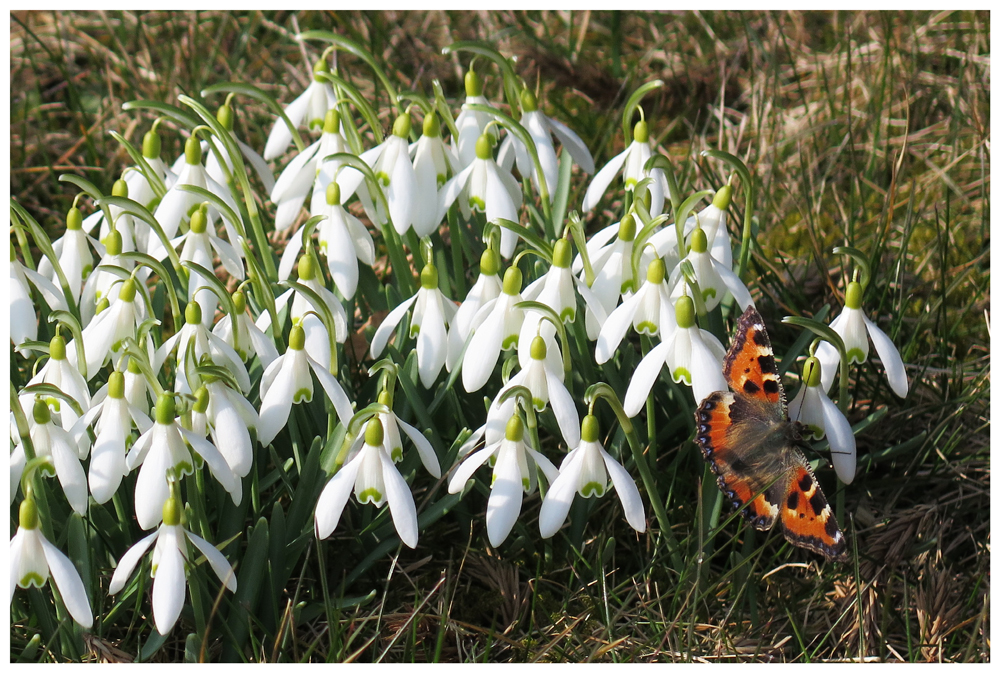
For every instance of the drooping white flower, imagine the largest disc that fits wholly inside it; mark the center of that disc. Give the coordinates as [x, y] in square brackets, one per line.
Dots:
[113, 418]
[205, 342]
[585, 471]
[486, 288]
[58, 371]
[855, 328]
[167, 445]
[613, 279]
[139, 189]
[73, 251]
[486, 187]
[494, 328]
[432, 313]
[229, 418]
[712, 220]
[820, 417]
[103, 283]
[48, 439]
[634, 159]
[649, 311]
[310, 106]
[541, 127]
[287, 381]
[471, 124]
[252, 340]
[693, 355]
[714, 278]
[393, 168]
[102, 338]
[514, 473]
[369, 472]
[214, 166]
[433, 164]
[33, 558]
[23, 322]
[169, 557]
[124, 223]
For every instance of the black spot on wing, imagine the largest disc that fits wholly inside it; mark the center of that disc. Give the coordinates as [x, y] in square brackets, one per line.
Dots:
[793, 500]
[767, 364]
[817, 502]
[771, 387]
[751, 388]
[806, 482]
[760, 336]
[832, 529]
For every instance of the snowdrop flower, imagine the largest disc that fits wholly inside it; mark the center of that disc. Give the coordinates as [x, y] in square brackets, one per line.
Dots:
[32, 558]
[819, 416]
[471, 125]
[494, 328]
[546, 385]
[514, 473]
[214, 167]
[177, 204]
[124, 223]
[23, 322]
[229, 418]
[73, 251]
[50, 440]
[852, 325]
[139, 189]
[303, 312]
[712, 220]
[433, 162]
[432, 313]
[169, 557]
[370, 473]
[612, 267]
[205, 343]
[634, 158]
[343, 241]
[303, 174]
[486, 288]
[137, 390]
[391, 424]
[391, 164]
[649, 311]
[166, 446]
[541, 127]
[59, 372]
[287, 381]
[114, 418]
[310, 107]
[252, 341]
[102, 338]
[693, 355]
[101, 283]
[585, 470]
[486, 187]
[714, 279]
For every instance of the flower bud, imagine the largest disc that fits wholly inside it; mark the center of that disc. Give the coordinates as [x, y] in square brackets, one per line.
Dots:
[512, 281]
[171, 512]
[225, 116]
[116, 385]
[113, 243]
[192, 313]
[201, 400]
[40, 412]
[432, 127]
[74, 219]
[699, 240]
[120, 188]
[489, 262]
[852, 298]
[307, 268]
[811, 372]
[590, 429]
[128, 290]
[57, 348]
[333, 193]
[320, 67]
[401, 127]
[192, 151]
[199, 220]
[239, 302]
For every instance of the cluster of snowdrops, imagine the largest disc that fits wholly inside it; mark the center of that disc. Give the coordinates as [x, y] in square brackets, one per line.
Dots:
[112, 391]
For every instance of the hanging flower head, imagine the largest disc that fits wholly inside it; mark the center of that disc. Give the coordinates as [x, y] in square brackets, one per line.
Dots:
[73, 252]
[311, 106]
[495, 328]
[433, 164]
[486, 288]
[819, 416]
[649, 311]
[471, 124]
[634, 160]
[714, 278]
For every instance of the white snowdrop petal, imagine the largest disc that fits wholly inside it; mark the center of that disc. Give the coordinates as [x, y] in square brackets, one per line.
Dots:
[128, 562]
[67, 579]
[504, 504]
[559, 498]
[401, 507]
[843, 448]
[892, 362]
[219, 564]
[170, 583]
[334, 497]
[627, 491]
[643, 378]
[600, 183]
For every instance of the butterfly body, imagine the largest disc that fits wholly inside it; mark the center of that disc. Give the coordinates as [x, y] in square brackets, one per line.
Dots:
[753, 448]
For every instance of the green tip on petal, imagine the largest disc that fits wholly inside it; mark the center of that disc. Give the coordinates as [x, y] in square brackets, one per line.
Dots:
[723, 197]
[484, 147]
[120, 188]
[40, 412]
[128, 290]
[297, 338]
[57, 348]
[239, 301]
[429, 277]
[192, 313]
[192, 150]
[512, 281]
[199, 220]
[307, 268]
[473, 85]
[852, 299]
[656, 271]
[432, 127]
[590, 429]
[699, 240]
[225, 116]
[489, 262]
[333, 193]
[331, 122]
[538, 348]
[684, 309]
[166, 409]
[116, 385]
[151, 145]
[641, 132]
[401, 127]
[320, 66]
[171, 512]
[528, 101]
[74, 219]
[201, 400]
[811, 372]
[626, 230]
[27, 514]
[562, 253]
[515, 429]
[374, 434]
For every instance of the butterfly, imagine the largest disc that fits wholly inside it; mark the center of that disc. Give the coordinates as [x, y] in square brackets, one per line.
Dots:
[753, 448]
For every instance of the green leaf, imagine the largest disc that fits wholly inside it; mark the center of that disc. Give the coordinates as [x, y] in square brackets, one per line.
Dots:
[369, 113]
[248, 585]
[154, 180]
[353, 47]
[186, 119]
[633, 102]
